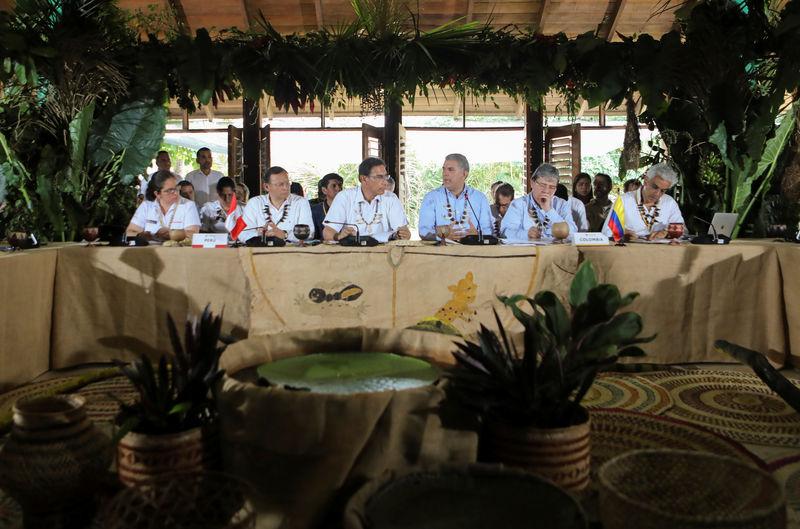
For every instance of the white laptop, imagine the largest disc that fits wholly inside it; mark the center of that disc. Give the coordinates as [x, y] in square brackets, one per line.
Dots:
[723, 223]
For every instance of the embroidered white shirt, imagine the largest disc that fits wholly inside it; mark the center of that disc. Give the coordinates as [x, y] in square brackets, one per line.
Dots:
[379, 218]
[668, 211]
[179, 216]
[255, 216]
[517, 221]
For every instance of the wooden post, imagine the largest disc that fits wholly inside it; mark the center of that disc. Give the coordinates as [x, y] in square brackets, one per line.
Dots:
[534, 142]
[250, 146]
[392, 117]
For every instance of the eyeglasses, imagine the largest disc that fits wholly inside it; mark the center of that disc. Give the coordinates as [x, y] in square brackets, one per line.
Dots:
[169, 191]
[548, 187]
[381, 176]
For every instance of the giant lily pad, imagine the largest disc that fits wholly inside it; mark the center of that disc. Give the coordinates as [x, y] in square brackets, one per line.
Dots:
[348, 373]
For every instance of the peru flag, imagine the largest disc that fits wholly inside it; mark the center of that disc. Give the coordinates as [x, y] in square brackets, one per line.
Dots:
[234, 223]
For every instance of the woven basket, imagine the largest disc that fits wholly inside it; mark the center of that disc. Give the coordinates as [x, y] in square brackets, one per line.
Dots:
[673, 489]
[196, 500]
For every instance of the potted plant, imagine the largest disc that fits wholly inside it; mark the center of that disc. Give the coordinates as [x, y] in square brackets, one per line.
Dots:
[171, 426]
[529, 400]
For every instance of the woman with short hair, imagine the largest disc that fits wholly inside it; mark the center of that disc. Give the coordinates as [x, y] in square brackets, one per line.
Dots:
[163, 210]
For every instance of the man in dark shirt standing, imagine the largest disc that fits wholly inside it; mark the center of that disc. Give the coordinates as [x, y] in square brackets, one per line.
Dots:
[329, 186]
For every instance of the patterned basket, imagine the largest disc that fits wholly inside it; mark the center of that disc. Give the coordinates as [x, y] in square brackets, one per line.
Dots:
[198, 499]
[672, 489]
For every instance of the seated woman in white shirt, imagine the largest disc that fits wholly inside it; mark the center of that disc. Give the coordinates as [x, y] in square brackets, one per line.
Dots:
[214, 213]
[163, 210]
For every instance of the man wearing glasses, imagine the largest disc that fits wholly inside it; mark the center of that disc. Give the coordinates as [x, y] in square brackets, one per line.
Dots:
[531, 217]
[649, 210]
[366, 207]
[276, 213]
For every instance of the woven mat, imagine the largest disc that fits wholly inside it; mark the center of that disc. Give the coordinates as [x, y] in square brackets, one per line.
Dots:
[787, 471]
[737, 405]
[629, 392]
[615, 432]
[49, 387]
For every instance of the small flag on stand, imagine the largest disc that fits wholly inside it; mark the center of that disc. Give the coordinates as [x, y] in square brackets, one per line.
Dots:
[234, 223]
[616, 220]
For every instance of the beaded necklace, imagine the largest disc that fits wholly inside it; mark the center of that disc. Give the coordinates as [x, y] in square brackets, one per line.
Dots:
[533, 213]
[171, 218]
[376, 217]
[648, 217]
[449, 210]
[268, 212]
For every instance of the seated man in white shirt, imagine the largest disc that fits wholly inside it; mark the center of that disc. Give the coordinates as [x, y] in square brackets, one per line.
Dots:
[163, 210]
[576, 207]
[531, 217]
[455, 204]
[649, 210]
[277, 212]
[213, 214]
[366, 208]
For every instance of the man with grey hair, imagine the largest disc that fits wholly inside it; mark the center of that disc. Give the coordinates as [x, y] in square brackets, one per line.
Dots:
[531, 217]
[455, 204]
[649, 210]
[389, 186]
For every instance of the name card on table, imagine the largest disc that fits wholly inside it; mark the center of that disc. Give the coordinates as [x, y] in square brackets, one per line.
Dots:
[210, 240]
[594, 238]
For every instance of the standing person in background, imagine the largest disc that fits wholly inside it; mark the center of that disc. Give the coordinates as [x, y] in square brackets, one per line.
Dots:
[582, 188]
[329, 186]
[163, 163]
[597, 209]
[204, 179]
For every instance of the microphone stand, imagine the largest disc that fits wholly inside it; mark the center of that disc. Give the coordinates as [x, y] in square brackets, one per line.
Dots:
[480, 238]
[263, 241]
[354, 240]
[708, 239]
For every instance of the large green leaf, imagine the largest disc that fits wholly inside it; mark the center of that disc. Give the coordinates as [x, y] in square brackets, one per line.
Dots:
[582, 283]
[556, 316]
[78, 134]
[775, 145]
[137, 128]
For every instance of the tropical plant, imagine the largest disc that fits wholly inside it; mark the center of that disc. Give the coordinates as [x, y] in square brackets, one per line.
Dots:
[179, 393]
[562, 352]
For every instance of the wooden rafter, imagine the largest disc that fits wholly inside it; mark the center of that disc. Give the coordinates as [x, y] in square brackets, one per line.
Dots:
[611, 24]
[542, 15]
[470, 9]
[245, 15]
[180, 16]
[319, 13]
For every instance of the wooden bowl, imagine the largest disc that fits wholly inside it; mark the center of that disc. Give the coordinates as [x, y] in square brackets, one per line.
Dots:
[177, 235]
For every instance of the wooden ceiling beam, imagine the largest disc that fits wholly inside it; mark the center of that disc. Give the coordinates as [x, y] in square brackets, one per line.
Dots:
[611, 24]
[180, 16]
[542, 16]
[470, 9]
[318, 12]
[245, 15]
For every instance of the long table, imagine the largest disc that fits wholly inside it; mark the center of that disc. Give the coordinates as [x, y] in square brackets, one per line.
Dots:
[70, 304]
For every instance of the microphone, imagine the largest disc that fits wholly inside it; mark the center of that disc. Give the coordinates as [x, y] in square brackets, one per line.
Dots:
[262, 240]
[353, 240]
[479, 238]
[709, 239]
